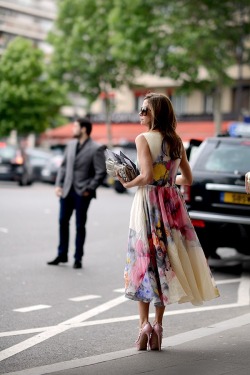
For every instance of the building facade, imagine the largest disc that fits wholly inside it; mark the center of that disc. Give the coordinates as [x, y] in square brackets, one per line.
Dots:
[33, 19]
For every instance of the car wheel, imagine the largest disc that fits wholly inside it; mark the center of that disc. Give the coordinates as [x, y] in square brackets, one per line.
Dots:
[24, 179]
[208, 245]
[119, 188]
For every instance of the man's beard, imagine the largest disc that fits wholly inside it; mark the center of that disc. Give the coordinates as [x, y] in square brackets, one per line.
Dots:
[77, 136]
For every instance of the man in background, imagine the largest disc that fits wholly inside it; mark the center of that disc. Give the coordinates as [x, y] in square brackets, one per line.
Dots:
[82, 171]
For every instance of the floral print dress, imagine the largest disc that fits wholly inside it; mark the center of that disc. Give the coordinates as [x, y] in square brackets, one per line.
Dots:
[165, 262]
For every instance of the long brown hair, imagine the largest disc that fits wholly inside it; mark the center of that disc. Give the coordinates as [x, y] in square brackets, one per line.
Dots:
[164, 120]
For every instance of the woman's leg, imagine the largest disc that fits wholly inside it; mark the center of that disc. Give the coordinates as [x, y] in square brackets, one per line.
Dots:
[143, 312]
[159, 312]
[145, 327]
[156, 337]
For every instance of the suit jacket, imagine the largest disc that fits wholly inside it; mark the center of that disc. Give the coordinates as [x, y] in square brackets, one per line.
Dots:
[85, 171]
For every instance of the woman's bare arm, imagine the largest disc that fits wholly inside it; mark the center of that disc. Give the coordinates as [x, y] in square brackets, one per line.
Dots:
[186, 177]
[145, 162]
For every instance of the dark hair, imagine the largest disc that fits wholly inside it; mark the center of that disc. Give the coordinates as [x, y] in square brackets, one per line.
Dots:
[164, 120]
[85, 123]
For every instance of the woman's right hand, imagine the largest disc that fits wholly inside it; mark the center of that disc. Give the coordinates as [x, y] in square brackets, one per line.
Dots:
[247, 182]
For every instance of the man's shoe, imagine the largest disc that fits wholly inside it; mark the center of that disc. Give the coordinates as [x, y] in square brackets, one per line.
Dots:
[58, 260]
[77, 264]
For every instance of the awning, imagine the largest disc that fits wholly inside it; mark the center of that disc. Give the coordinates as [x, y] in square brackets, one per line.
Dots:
[127, 132]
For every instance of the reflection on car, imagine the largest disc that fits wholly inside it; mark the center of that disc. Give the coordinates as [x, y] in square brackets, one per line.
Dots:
[217, 201]
[38, 158]
[50, 169]
[15, 165]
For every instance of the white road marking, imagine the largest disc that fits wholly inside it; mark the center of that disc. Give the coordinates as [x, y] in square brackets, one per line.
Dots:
[32, 308]
[199, 333]
[84, 298]
[171, 341]
[120, 290]
[218, 282]
[242, 300]
[62, 327]
[244, 291]
[228, 281]
[4, 230]
[123, 319]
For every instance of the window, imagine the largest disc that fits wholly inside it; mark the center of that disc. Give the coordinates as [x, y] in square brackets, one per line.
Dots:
[208, 104]
[225, 157]
[179, 103]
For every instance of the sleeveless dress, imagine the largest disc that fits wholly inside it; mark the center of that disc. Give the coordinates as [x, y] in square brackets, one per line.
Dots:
[165, 262]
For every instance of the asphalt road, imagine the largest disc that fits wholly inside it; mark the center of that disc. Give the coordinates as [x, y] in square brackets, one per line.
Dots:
[57, 314]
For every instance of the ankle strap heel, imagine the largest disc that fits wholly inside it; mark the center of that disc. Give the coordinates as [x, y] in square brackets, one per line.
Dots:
[142, 342]
[156, 337]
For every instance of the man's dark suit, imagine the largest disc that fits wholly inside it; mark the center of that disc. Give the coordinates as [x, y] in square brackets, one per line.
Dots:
[81, 171]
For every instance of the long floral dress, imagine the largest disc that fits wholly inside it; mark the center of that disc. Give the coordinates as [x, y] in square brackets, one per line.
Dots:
[165, 262]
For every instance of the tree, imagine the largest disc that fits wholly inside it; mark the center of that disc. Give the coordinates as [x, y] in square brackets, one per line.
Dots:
[30, 100]
[83, 53]
[179, 38]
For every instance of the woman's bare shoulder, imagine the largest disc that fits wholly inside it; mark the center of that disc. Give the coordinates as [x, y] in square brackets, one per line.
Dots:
[140, 137]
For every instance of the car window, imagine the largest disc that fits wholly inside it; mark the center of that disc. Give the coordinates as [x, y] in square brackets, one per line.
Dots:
[193, 152]
[7, 152]
[225, 157]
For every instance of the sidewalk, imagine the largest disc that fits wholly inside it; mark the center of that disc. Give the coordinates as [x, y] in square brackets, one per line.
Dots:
[220, 349]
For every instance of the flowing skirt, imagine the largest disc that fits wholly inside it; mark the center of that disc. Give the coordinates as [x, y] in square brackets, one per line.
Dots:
[165, 261]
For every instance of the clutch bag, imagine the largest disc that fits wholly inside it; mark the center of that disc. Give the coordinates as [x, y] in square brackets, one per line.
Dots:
[121, 165]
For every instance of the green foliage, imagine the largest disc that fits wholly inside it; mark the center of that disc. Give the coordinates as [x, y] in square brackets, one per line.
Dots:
[30, 100]
[178, 37]
[102, 44]
[82, 47]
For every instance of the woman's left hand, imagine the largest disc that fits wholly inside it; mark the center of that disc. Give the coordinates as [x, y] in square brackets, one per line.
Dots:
[124, 183]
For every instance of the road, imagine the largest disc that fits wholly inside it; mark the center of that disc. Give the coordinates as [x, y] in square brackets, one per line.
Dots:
[57, 314]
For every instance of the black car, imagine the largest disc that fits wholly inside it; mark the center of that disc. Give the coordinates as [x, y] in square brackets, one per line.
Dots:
[50, 169]
[217, 202]
[15, 165]
[38, 159]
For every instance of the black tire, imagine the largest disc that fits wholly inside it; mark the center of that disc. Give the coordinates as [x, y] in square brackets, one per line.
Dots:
[119, 188]
[24, 181]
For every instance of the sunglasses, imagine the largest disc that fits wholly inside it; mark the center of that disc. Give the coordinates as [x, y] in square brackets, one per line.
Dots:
[144, 111]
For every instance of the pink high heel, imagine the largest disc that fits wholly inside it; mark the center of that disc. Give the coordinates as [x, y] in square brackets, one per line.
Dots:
[156, 337]
[142, 343]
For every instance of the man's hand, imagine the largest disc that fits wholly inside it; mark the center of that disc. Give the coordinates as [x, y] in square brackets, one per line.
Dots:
[58, 191]
[86, 193]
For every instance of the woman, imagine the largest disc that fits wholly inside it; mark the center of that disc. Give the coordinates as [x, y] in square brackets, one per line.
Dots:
[165, 262]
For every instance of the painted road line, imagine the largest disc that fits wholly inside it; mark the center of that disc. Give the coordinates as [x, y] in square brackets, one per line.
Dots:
[199, 333]
[244, 291]
[242, 300]
[4, 230]
[60, 328]
[120, 290]
[32, 308]
[123, 319]
[84, 298]
[171, 341]
[95, 311]
[227, 281]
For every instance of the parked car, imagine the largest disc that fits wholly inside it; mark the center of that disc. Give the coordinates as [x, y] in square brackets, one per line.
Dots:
[50, 169]
[15, 165]
[38, 158]
[217, 202]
